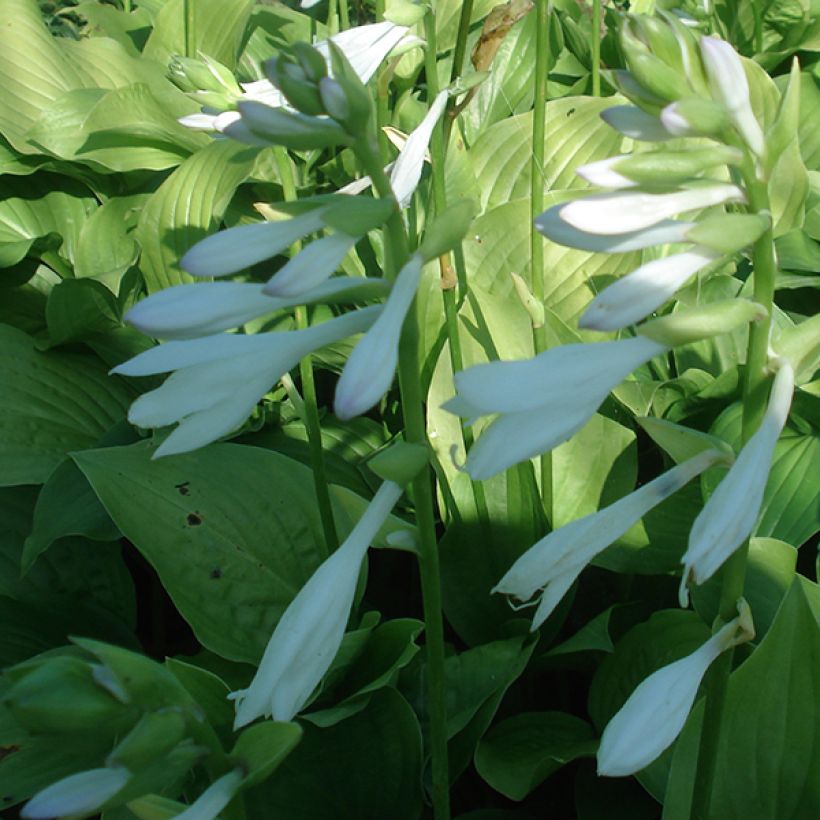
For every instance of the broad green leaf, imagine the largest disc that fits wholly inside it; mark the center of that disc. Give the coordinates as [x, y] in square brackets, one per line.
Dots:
[78, 308]
[574, 135]
[667, 636]
[187, 207]
[769, 574]
[37, 206]
[234, 533]
[790, 510]
[217, 28]
[366, 766]
[519, 753]
[770, 725]
[130, 30]
[592, 637]
[52, 403]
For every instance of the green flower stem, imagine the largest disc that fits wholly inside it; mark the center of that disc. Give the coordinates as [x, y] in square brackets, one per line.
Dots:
[596, 48]
[461, 39]
[332, 19]
[396, 251]
[344, 15]
[311, 408]
[537, 206]
[733, 574]
[189, 23]
[382, 97]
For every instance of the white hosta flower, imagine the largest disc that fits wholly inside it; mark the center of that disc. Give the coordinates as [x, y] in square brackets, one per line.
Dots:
[407, 169]
[81, 793]
[730, 515]
[542, 401]
[208, 805]
[634, 122]
[364, 46]
[636, 295]
[554, 562]
[219, 379]
[729, 86]
[630, 210]
[603, 174]
[370, 369]
[309, 634]
[665, 232]
[312, 266]
[656, 711]
[206, 308]
[238, 248]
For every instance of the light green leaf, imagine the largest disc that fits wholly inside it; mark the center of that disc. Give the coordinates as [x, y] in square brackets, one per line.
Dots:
[519, 753]
[51, 403]
[187, 207]
[77, 308]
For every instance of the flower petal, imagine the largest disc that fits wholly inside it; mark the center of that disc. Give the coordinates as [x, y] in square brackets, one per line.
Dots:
[311, 266]
[80, 793]
[208, 805]
[634, 122]
[639, 293]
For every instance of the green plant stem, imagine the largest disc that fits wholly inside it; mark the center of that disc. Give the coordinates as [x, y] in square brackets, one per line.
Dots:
[332, 18]
[596, 48]
[382, 98]
[457, 69]
[344, 15]
[537, 206]
[311, 408]
[126, 6]
[189, 11]
[396, 251]
[733, 574]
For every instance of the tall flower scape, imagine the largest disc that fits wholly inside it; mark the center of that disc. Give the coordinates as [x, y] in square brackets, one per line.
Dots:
[365, 276]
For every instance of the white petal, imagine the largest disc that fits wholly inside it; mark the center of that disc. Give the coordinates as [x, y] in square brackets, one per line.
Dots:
[311, 266]
[76, 794]
[208, 805]
[264, 91]
[561, 376]
[639, 293]
[619, 212]
[199, 122]
[664, 232]
[730, 515]
[370, 369]
[407, 171]
[728, 83]
[237, 248]
[633, 122]
[366, 46]
[655, 712]
[600, 173]
[309, 634]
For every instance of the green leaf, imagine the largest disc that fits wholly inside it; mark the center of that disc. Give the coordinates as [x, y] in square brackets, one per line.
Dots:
[769, 574]
[78, 308]
[209, 691]
[187, 207]
[769, 725]
[261, 749]
[233, 533]
[366, 766]
[592, 637]
[519, 753]
[52, 403]
[218, 28]
[37, 206]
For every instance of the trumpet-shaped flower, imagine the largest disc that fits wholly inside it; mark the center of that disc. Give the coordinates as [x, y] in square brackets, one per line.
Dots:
[655, 712]
[309, 634]
[729, 86]
[205, 308]
[636, 295]
[81, 793]
[554, 562]
[542, 401]
[729, 516]
[311, 267]
[630, 210]
[369, 370]
[219, 379]
[208, 805]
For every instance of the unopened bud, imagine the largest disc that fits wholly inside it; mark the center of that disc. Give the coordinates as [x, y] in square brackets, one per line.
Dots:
[292, 81]
[693, 116]
[448, 229]
[694, 324]
[658, 78]
[729, 233]
[356, 93]
[334, 100]
[297, 131]
[154, 735]
[311, 61]
[533, 307]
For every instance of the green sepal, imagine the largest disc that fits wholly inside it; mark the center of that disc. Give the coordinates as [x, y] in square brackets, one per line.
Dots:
[293, 130]
[154, 736]
[692, 325]
[447, 229]
[729, 233]
[401, 462]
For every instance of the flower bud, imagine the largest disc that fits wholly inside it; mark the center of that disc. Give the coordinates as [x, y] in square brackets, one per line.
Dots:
[80, 794]
[356, 93]
[334, 100]
[312, 63]
[729, 233]
[205, 74]
[297, 131]
[693, 116]
[448, 229]
[694, 324]
[292, 81]
[534, 308]
[783, 130]
[155, 735]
